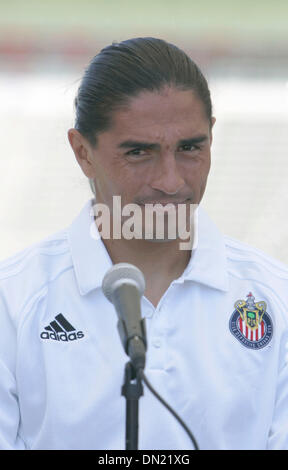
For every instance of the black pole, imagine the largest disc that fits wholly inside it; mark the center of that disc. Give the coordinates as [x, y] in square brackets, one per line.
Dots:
[132, 390]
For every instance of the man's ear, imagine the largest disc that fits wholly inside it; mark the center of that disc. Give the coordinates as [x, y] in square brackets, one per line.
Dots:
[213, 120]
[82, 151]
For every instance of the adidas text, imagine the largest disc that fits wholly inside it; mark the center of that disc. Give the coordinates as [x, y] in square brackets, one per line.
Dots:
[62, 336]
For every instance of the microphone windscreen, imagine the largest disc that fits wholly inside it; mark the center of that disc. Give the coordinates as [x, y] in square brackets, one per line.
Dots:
[124, 272]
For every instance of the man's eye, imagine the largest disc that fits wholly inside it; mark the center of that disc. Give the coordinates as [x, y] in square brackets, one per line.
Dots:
[136, 152]
[189, 147]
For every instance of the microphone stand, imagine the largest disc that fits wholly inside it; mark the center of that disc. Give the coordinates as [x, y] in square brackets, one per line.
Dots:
[132, 390]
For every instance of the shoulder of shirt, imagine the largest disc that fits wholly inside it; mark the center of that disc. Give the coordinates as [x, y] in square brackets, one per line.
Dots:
[28, 273]
[238, 251]
[50, 247]
[244, 262]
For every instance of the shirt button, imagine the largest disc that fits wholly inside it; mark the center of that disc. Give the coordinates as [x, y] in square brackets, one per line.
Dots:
[148, 313]
[156, 343]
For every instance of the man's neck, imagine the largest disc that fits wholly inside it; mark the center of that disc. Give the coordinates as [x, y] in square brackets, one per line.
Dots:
[160, 262]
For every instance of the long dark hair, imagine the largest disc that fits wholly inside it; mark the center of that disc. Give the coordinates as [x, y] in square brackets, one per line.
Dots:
[122, 70]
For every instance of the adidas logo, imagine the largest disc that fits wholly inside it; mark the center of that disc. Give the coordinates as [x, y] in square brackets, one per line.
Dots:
[61, 330]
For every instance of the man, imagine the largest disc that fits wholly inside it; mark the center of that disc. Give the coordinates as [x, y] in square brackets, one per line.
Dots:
[216, 314]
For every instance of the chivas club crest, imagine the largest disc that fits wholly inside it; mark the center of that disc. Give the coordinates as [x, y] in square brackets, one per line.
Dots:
[250, 323]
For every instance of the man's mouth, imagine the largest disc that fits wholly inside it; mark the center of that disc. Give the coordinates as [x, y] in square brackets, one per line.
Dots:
[164, 203]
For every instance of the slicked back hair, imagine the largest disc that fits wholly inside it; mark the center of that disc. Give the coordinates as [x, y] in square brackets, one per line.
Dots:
[123, 70]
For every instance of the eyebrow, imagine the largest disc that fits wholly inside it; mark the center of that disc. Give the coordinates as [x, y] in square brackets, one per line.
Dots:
[153, 146]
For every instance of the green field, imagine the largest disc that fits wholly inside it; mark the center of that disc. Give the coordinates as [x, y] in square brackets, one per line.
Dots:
[243, 20]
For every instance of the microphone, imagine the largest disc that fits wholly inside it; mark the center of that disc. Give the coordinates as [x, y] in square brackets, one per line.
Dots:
[123, 285]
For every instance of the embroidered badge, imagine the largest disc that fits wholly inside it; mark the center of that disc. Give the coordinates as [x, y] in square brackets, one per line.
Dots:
[250, 323]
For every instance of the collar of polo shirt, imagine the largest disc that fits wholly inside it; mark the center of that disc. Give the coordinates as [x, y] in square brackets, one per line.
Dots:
[91, 259]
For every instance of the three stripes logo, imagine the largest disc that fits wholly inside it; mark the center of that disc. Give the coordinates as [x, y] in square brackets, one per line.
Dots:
[61, 330]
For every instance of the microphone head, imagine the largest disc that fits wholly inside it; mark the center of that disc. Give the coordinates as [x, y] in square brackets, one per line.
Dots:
[122, 272]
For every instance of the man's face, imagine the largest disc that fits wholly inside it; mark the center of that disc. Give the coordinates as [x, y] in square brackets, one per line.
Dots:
[167, 170]
[157, 151]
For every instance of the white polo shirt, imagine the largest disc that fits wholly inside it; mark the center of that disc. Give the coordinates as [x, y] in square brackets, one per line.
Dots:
[216, 349]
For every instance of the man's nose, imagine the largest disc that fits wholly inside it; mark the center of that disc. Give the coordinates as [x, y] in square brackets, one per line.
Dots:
[166, 176]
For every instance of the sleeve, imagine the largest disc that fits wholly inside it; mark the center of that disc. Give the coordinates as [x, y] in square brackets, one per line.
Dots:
[9, 406]
[278, 435]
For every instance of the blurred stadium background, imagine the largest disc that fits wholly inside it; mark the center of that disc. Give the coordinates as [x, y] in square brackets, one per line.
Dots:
[242, 48]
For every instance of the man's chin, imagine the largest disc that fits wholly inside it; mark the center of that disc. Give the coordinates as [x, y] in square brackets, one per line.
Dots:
[162, 240]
